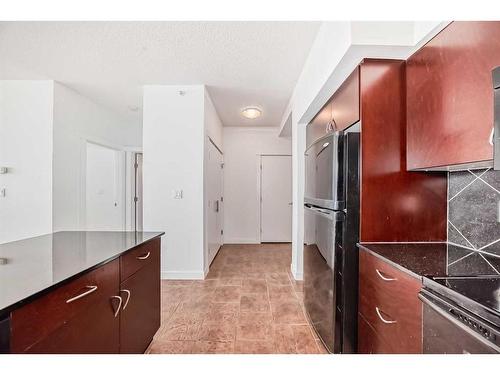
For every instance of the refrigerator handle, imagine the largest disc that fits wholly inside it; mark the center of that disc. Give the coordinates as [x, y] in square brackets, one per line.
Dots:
[331, 215]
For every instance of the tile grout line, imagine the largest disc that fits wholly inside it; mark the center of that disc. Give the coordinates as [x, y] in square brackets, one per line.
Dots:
[459, 232]
[465, 187]
[489, 185]
[488, 245]
[486, 260]
[462, 258]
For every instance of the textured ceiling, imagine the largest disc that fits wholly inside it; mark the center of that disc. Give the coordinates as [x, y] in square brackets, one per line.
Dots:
[242, 63]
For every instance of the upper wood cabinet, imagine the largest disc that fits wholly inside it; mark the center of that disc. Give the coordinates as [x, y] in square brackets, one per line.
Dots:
[340, 112]
[450, 96]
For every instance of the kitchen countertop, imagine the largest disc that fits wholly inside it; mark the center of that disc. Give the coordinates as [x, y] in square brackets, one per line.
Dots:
[430, 259]
[31, 267]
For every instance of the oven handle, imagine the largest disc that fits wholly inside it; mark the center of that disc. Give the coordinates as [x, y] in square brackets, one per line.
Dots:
[442, 311]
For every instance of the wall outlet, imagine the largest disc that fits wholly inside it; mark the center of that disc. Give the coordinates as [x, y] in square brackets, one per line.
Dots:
[4, 170]
[177, 194]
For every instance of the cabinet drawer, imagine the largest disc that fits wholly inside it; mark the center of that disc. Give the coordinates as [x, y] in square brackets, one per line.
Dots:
[32, 323]
[369, 341]
[137, 258]
[388, 300]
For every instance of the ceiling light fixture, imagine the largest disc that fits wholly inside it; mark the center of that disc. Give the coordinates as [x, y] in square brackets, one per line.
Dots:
[251, 112]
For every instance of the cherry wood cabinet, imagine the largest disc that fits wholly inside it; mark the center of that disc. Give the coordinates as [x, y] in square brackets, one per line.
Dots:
[114, 308]
[369, 341]
[396, 205]
[64, 314]
[140, 315]
[450, 96]
[389, 306]
[340, 112]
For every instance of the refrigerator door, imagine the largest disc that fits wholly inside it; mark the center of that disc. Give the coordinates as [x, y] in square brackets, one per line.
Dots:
[322, 258]
[324, 162]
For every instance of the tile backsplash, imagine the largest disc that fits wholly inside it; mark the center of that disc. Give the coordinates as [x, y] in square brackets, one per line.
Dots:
[473, 198]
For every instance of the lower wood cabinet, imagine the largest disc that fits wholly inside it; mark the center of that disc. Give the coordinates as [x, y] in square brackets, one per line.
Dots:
[390, 313]
[140, 315]
[370, 342]
[95, 313]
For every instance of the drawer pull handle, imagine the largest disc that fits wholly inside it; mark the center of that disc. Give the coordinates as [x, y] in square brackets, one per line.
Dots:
[120, 300]
[385, 278]
[91, 289]
[142, 257]
[128, 297]
[382, 318]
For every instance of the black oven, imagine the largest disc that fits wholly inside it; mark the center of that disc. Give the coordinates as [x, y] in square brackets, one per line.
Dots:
[449, 328]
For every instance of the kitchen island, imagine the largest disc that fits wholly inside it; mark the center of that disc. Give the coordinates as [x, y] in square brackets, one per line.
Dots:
[80, 292]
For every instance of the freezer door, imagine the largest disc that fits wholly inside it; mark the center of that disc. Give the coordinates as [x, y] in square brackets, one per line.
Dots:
[322, 258]
[324, 172]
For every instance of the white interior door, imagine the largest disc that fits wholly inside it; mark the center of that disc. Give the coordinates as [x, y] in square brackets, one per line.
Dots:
[276, 198]
[105, 188]
[215, 201]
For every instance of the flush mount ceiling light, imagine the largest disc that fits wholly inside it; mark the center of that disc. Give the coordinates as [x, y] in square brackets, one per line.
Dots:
[251, 112]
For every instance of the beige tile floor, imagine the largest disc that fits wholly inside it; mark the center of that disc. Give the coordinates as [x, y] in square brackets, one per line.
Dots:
[249, 303]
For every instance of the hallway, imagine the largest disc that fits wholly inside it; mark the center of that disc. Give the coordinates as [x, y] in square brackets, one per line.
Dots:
[249, 303]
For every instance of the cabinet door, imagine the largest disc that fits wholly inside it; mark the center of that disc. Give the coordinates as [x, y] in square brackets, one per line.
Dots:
[140, 314]
[345, 102]
[450, 96]
[94, 331]
[340, 112]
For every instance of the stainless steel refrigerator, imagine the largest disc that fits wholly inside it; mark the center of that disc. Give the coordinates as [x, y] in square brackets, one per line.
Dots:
[331, 232]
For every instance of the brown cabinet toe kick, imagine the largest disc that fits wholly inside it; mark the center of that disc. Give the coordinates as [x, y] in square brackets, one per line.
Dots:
[114, 308]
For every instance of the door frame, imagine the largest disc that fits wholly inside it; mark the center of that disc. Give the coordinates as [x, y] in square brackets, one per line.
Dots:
[259, 190]
[221, 205]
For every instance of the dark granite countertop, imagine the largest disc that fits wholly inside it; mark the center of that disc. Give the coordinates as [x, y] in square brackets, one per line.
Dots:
[430, 259]
[30, 267]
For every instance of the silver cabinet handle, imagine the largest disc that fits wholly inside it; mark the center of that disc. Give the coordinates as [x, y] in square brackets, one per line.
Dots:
[120, 300]
[91, 289]
[492, 134]
[382, 318]
[142, 257]
[384, 277]
[128, 297]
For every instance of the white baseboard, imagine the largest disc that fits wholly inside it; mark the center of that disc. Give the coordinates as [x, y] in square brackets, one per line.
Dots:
[182, 275]
[296, 275]
[236, 241]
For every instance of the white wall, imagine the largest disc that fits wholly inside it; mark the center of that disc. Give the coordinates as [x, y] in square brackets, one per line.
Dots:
[26, 110]
[338, 48]
[173, 136]
[241, 170]
[77, 120]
